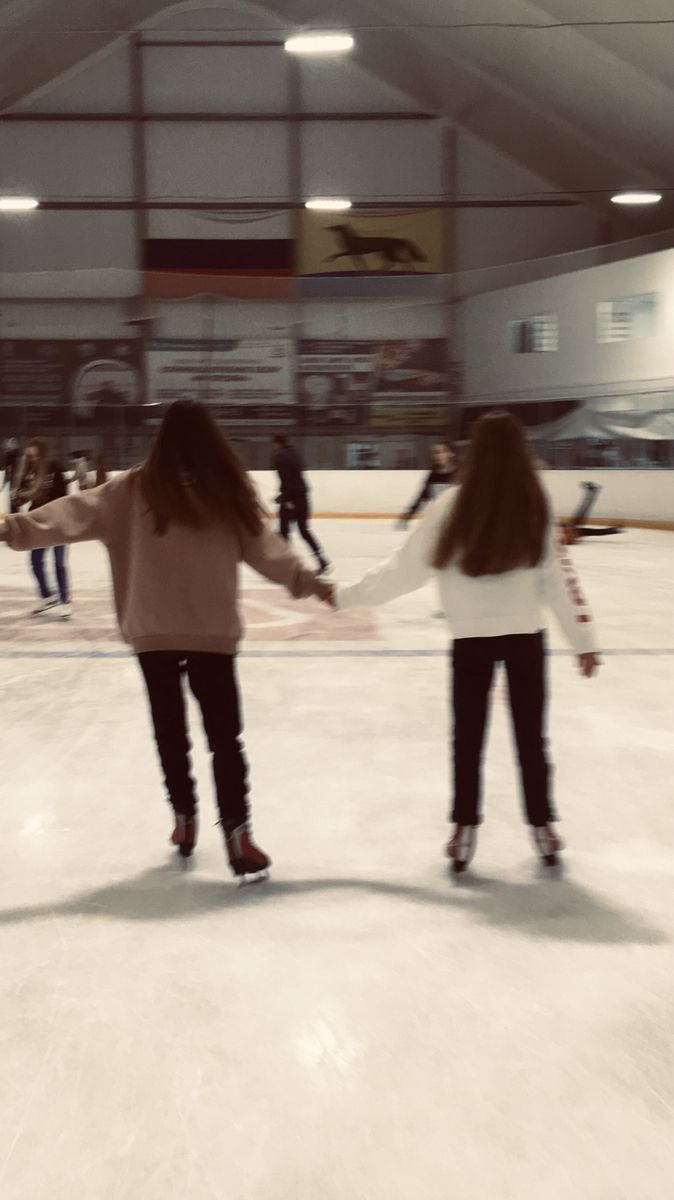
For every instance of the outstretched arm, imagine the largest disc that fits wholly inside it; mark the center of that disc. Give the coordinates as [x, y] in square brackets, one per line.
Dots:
[271, 557]
[406, 571]
[82, 517]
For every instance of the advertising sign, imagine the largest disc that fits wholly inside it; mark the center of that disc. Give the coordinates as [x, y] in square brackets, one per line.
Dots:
[82, 377]
[247, 381]
[335, 380]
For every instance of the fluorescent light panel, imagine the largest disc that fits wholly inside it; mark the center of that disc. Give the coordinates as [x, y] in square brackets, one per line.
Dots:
[636, 198]
[325, 204]
[319, 43]
[18, 203]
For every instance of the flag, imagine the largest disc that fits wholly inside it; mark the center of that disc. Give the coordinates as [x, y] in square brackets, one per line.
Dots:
[236, 254]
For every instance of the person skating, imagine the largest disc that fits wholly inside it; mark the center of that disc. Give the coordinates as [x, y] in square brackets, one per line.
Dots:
[40, 481]
[574, 529]
[494, 548]
[13, 466]
[100, 472]
[442, 475]
[176, 529]
[293, 498]
[81, 473]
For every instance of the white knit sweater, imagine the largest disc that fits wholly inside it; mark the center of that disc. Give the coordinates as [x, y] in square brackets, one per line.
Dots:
[489, 605]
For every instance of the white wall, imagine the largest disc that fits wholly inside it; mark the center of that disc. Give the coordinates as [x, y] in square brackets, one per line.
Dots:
[69, 160]
[402, 160]
[218, 162]
[215, 79]
[639, 495]
[488, 237]
[491, 369]
[105, 320]
[65, 254]
[174, 319]
[100, 84]
[387, 160]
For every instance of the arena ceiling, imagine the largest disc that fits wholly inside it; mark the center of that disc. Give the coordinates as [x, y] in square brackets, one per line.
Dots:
[580, 92]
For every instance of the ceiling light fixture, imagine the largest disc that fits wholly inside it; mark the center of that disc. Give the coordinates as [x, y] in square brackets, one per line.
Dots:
[324, 204]
[636, 198]
[319, 43]
[18, 203]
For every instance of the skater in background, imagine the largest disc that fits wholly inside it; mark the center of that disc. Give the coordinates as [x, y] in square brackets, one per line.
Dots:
[442, 475]
[81, 474]
[13, 459]
[40, 481]
[293, 498]
[493, 546]
[176, 529]
[574, 529]
[101, 475]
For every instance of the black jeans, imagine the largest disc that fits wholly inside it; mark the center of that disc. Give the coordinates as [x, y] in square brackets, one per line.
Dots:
[473, 669]
[212, 679]
[300, 514]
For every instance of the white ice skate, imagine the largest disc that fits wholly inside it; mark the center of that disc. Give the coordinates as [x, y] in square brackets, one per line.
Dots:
[461, 847]
[548, 844]
[45, 606]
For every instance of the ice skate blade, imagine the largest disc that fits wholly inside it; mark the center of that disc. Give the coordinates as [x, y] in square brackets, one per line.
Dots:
[551, 866]
[183, 864]
[182, 852]
[249, 878]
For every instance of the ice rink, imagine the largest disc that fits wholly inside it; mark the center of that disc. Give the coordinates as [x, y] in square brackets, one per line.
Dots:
[359, 1027]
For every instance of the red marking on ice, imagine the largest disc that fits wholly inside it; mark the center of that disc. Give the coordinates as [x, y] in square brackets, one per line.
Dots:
[269, 615]
[272, 616]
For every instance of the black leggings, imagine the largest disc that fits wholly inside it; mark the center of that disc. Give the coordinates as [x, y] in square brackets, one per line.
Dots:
[299, 514]
[212, 679]
[474, 660]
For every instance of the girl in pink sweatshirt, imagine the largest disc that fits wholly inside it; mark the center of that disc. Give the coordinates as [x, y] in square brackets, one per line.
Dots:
[176, 529]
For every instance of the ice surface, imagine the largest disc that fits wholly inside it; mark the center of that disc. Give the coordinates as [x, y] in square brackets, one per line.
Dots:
[358, 1028]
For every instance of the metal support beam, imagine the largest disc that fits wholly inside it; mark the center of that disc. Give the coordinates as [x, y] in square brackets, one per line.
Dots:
[184, 43]
[450, 151]
[141, 210]
[287, 205]
[222, 118]
[295, 187]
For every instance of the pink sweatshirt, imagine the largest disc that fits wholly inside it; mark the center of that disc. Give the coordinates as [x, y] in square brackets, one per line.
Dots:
[178, 591]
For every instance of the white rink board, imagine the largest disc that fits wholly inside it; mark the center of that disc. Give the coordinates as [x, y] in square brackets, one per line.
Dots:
[639, 495]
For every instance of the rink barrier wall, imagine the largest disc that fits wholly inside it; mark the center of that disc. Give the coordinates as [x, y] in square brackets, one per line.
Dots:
[639, 499]
[635, 499]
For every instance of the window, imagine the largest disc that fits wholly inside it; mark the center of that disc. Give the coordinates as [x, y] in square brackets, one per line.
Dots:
[532, 335]
[626, 318]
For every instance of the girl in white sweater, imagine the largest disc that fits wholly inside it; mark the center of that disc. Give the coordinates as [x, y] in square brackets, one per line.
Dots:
[494, 548]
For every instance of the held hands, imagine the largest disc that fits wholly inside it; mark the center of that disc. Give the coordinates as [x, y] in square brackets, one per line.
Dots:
[588, 664]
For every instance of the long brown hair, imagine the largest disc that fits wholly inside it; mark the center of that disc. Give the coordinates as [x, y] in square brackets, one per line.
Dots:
[193, 477]
[32, 479]
[500, 517]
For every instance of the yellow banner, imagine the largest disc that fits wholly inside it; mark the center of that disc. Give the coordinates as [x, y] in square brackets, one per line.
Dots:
[398, 243]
